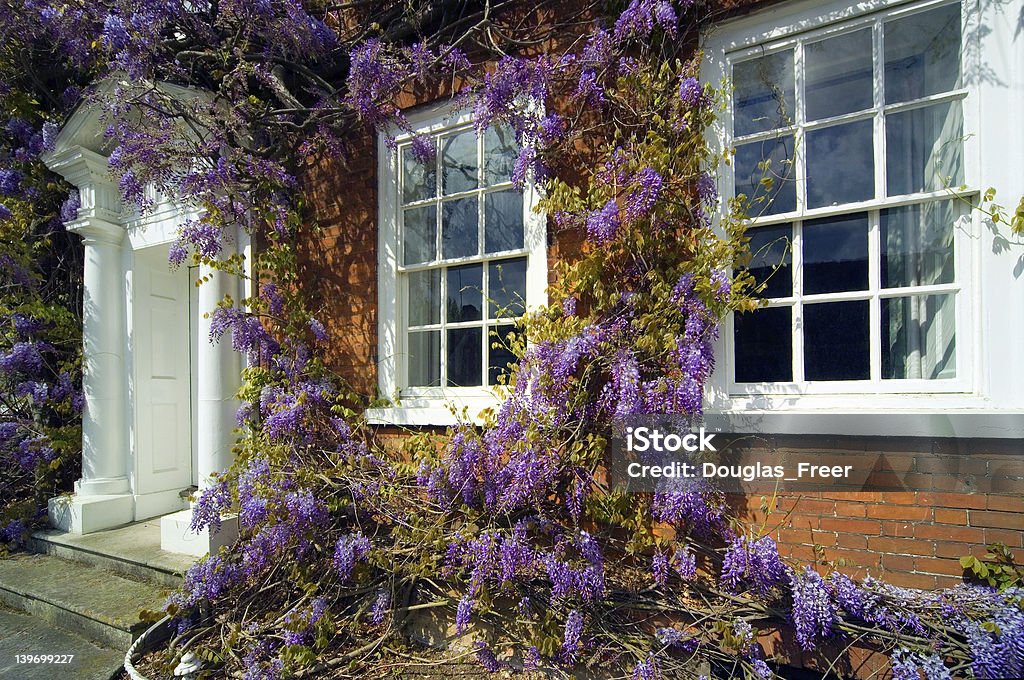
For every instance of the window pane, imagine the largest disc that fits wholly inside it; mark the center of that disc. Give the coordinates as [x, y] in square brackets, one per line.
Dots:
[836, 254]
[507, 283]
[771, 251]
[503, 221]
[499, 357]
[840, 164]
[459, 162]
[500, 151]
[924, 149]
[764, 345]
[763, 96]
[460, 231]
[464, 360]
[465, 293]
[836, 341]
[420, 234]
[764, 172]
[922, 54]
[425, 359]
[919, 337]
[839, 75]
[425, 297]
[419, 181]
[917, 245]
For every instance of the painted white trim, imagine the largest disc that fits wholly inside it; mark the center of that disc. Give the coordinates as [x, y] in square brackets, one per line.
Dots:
[990, 305]
[433, 406]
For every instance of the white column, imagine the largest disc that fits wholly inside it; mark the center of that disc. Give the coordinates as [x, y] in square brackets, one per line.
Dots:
[219, 368]
[105, 377]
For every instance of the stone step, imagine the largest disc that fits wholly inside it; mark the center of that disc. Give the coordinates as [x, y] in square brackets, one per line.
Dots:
[132, 550]
[22, 634]
[90, 601]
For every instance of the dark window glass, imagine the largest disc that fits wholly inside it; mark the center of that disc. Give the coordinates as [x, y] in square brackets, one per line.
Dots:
[836, 341]
[507, 283]
[499, 355]
[764, 172]
[840, 164]
[464, 360]
[764, 345]
[836, 254]
[460, 229]
[503, 221]
[922, 54]
[763, 93]
[465, 293]
[771, 256]
[839, 75]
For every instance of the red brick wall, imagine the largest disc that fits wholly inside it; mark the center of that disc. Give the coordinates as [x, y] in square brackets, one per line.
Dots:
[338, 259]
[912, 538]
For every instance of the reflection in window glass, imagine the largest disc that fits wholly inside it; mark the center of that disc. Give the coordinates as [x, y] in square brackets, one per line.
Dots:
[465, 293]
[503, 221]
[919, 337]
[923, 149]
[838, 75]
[424, 360]
[835, 254]
[763, 93]
[499, 356]
[464, 357]
[764, 172]
[420, 234]
[500, 151]
[840, 164]
[506, 281]
[460, 228]
[917, 244]
[771, 251]
[836, 345]
[459, 162]
[425, 297]
[922, 54]
[763, 345]
[419, 181]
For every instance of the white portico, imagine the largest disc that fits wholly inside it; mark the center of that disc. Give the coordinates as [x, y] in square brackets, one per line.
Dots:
[159, 396]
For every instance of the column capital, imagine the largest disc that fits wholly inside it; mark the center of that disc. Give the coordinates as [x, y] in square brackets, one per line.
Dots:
[95, 229]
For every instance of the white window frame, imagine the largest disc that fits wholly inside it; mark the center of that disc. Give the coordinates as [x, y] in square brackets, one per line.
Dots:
[985, 382]
[433, 405]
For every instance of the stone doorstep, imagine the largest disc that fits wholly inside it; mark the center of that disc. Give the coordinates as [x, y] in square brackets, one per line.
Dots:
[21, 633]
[132, 551]
[93, 602]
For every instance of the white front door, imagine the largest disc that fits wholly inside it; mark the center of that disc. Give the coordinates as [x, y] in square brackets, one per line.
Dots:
[163, 385]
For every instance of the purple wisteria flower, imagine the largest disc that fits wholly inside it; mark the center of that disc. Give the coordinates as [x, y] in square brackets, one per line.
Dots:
[381, 606]
[603, 224]
[485, 656]
[571, 640]
[213, 501]
[348, 551]
[755, 564]
[814, 611]
[647, 669]
[690, 91]
[10, 182]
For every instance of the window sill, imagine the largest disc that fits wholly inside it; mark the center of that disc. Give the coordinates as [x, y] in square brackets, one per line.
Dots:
[433, 411]
[952, 423]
